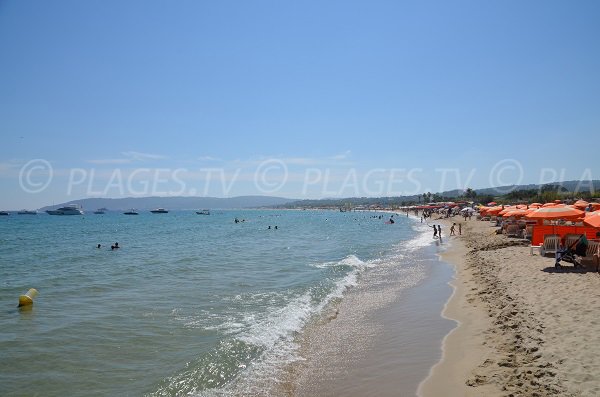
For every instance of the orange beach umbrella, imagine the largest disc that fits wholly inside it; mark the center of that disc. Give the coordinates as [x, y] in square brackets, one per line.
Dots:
[592, 219]
[517, 213]
[556, 212]
[494, 210]
[580, 204]
[507, 209]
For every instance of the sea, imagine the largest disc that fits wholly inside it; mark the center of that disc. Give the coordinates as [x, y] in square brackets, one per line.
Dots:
[199, 305]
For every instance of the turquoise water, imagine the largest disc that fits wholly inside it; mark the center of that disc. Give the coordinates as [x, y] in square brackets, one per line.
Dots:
[189, 305]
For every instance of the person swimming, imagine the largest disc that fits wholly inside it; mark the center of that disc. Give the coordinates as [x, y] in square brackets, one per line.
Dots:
[99, 246]
[115, 247]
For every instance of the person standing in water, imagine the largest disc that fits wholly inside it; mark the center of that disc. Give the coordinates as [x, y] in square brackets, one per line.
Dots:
[434, 231]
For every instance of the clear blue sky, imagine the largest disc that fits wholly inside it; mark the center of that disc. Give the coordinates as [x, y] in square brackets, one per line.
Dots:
[340, 92]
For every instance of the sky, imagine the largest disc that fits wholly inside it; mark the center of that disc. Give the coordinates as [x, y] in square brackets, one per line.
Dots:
[305, 99]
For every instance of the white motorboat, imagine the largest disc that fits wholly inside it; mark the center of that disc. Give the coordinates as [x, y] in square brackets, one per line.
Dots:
[159, 211]
[131, 212]
[203, 212]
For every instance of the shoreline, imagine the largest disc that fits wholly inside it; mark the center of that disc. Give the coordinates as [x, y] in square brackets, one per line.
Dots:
[464, 344]
[382, 337]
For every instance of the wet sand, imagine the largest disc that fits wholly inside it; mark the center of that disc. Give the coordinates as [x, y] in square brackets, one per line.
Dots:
[380, 340]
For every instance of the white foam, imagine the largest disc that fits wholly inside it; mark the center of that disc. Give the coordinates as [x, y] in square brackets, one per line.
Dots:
[274, 332]
[350, 260]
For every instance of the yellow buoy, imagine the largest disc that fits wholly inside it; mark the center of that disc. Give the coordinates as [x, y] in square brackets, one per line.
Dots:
[27, 299]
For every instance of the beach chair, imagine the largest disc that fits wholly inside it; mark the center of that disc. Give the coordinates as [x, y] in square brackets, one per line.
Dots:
[528, 232]
[550, 245]
[513, 231]
[591, 255]
[571, 238]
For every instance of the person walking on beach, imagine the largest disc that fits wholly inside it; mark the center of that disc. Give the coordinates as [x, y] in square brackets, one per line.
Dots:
[440, 231]
[459, 229]
[452, 229]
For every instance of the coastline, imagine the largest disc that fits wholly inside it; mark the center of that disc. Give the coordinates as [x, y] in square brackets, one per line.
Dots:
[463, 347]
[523, 328]
[383, 337]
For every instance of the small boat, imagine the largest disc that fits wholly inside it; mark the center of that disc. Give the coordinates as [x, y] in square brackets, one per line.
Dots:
[203, 212]
[4, 213]
[131, 212]
[27, 212]
[159, 211]
[100, 211]
[72, 209]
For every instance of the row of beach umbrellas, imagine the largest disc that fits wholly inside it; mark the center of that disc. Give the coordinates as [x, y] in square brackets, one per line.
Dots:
[549, 211]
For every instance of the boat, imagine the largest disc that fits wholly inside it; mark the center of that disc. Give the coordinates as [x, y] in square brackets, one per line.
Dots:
[72, 209]
[131, 212]
[27, 212]
[100, 211]
[4, 213]
[159, 211]
[203, 212]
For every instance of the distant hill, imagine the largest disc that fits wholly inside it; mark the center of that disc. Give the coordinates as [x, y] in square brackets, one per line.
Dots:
[175, 203]
[181, 203]
[567, 186]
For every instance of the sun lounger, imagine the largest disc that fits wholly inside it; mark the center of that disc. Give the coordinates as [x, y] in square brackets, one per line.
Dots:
[513, 231]
[551, 244]
[528, 232]
[591, 254]
[571, 239]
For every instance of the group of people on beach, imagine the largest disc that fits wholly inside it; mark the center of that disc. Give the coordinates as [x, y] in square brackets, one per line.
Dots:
[437, 230]
[453, 228]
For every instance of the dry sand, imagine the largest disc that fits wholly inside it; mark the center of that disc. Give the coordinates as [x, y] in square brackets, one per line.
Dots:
[524, 328]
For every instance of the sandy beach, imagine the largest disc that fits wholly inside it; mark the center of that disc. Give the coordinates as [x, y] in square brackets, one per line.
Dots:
[524, 329]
